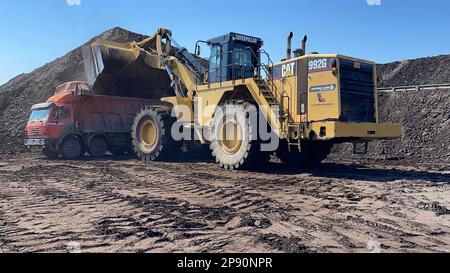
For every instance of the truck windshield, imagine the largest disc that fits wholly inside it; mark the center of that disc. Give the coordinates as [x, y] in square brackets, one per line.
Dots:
[39, 115]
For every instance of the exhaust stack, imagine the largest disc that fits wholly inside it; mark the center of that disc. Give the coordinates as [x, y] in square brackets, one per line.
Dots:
[289, 45]
[304, 40]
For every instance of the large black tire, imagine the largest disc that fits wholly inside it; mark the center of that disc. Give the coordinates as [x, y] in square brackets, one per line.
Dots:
[72, 148]
[312, 153]
[98, 147]
[151, 135]
[243, 148]
[50, 154]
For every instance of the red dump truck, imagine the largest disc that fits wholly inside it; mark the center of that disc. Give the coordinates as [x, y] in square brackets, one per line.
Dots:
[75, 121]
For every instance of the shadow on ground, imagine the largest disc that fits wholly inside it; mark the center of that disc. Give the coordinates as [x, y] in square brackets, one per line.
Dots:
[356, 172]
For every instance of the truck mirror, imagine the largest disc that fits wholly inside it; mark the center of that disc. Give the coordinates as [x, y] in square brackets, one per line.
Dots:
[198, 50]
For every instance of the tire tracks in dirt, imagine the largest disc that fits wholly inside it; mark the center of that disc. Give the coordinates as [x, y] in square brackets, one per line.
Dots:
[130, 206]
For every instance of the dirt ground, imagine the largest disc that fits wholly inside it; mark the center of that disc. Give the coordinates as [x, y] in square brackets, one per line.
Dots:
[124, 205]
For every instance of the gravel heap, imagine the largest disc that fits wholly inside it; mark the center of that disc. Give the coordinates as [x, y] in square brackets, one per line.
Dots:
[422, 71]
[425, 116]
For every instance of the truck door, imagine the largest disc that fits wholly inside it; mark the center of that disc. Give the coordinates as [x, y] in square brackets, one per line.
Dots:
[61, 121]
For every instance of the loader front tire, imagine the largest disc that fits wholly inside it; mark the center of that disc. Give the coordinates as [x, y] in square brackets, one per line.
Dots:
[234, 139]
[151, 135]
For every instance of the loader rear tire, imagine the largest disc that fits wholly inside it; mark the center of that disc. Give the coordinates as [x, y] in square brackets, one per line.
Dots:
[151, 135]
[234, 139]
[312, 153]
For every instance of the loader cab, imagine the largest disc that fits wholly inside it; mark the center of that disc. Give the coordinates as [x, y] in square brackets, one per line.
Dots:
[233, 56]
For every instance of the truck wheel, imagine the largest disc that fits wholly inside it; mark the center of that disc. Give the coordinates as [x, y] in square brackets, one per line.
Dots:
[50, 154]
[98, 147]
[233, 144]
[151, 135]
[313, 153]
[72, 148]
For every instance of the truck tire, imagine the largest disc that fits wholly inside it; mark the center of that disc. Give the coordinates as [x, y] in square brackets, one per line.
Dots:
[98, 147]
[50, 154]
[72, 148]
[233, 144]
[312, 153]
[151, 135]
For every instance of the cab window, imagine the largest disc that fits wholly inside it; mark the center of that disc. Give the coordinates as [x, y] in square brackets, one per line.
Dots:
[215, 64]
[39, 115]
[61, 113]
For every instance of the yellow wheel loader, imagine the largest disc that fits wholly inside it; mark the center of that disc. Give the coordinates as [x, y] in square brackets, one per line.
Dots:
[239, 103]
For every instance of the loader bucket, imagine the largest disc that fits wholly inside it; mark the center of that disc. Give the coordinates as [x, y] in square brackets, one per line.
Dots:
[124, 69]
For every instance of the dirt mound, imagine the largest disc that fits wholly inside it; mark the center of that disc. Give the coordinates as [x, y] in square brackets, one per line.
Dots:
[19, 94]
[422, 71]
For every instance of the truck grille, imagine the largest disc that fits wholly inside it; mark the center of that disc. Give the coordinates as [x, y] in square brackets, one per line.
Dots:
[36, 131]
[357, 92]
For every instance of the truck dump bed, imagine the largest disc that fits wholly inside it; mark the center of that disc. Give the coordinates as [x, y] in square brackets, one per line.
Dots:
[107, 114]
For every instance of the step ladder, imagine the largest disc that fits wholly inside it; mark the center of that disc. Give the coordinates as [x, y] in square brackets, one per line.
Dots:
[298, 143]
[266, 92]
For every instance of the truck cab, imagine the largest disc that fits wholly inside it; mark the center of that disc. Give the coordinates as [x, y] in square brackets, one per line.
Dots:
[46, 123]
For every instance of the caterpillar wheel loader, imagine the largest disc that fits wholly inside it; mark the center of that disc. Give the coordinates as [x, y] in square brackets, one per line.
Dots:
[244, 109]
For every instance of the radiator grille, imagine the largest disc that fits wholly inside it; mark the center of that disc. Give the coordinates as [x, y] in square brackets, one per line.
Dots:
[357, 92]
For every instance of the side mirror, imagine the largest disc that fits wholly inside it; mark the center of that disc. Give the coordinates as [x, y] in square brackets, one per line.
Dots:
[198, 51]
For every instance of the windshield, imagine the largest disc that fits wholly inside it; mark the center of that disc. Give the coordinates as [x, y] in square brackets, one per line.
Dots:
[39, 115]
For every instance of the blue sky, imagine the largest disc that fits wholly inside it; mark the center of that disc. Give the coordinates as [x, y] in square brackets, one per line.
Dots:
[35, 32]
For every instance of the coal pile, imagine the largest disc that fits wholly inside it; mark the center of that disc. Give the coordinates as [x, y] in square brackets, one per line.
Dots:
[422, 71]
[19, 94]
